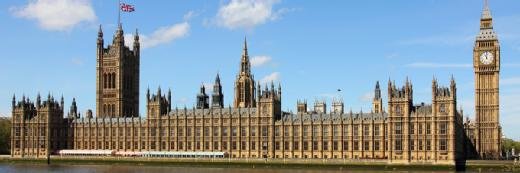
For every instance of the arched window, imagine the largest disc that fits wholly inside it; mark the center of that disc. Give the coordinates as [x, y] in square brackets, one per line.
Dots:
[104, 109]
[113, 80]
[108, 80]
[105, 81]
[113, 110]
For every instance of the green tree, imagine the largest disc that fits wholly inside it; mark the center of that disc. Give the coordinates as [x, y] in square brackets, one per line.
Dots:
[5, 135]
[508, 144]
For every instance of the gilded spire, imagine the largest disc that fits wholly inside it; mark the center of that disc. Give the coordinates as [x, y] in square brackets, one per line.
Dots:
[486, 13]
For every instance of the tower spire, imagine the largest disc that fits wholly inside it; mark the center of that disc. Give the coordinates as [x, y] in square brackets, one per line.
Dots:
[245, 65]
[486, 13]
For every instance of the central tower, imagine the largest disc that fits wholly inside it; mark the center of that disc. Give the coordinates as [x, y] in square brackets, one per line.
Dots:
[486, 64]
[245, 83]
[117, 77]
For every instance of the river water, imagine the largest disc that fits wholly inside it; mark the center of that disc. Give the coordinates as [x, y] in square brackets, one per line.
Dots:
[38, 168]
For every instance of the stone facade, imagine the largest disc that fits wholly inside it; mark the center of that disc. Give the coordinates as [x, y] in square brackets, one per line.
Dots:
[486, 64]
[117, 77]
[255, 127]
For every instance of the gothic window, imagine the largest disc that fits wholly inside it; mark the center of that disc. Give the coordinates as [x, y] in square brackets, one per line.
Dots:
[109, 79]
[398, 129]
[233, 131]
[197, 131]
[442, 128]
[335, 131]
[315, 131]
[442, 144]
[326, 131]
[113, 80]
[224, 131]
[306, 131]
[206, 131]
[428, 128]
[376, 130]
[296, 131]
[253, 131]
[277, 131]
[243, 131]
[345, 130]
[105, 80]
[325, 145]
[442, 108]
[398, 144]
[398, 110]
[264, 131]
[366, 130]
[241, 93]
[286, 131]
[356, 130]
[113, 111]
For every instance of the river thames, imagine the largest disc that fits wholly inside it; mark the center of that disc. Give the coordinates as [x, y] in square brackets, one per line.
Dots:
[63, 168]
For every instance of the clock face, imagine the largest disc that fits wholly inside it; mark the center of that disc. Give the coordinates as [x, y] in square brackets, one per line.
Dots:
[486, 58]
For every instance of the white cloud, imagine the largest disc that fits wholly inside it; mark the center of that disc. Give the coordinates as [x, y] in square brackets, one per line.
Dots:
[56, 15]
[437, 65]
[248, 13]
[368, 96]
[273, 77]
[162, 35]
[258, 61]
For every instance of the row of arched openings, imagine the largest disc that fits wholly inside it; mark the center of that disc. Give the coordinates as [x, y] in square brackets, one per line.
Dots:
[109, 80]
[109, 109]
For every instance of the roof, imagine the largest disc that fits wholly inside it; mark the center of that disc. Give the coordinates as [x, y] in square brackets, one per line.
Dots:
[335, 117]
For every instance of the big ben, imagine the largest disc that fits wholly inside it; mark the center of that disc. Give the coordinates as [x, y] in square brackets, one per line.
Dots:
[486, 64]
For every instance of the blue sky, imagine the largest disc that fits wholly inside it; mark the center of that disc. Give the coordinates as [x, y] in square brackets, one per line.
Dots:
[311, 47]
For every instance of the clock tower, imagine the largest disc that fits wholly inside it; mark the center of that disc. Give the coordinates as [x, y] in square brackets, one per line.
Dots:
[486, 64]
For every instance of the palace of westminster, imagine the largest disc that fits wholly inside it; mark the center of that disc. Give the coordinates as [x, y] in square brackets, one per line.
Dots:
[256, 127]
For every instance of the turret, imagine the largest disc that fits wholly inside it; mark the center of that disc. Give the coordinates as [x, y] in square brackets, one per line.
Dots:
[217, 97]
[62, 103]
[202, 98]
[100, 37]
[279, 91]
[73, 112]
[159, 91]
[13, 101]
[148, 94]
[301, 106]
[38, 101]
[453, 88]
[377, 102]
[137, 44]
[169, 100]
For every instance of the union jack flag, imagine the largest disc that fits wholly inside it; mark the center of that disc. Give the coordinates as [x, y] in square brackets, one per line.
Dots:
[127, 7]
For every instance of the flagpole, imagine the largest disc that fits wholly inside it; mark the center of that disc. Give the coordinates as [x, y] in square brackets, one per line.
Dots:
[119, 12]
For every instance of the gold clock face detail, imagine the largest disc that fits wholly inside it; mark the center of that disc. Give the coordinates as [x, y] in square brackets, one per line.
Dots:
[486, 58]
